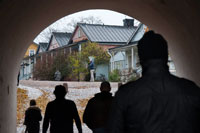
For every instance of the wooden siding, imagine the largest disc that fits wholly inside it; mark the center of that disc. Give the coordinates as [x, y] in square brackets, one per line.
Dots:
[54, 44]
[79, 35]
[31, 47]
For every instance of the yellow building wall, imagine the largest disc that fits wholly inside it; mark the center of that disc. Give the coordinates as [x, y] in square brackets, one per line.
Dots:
[33, 47]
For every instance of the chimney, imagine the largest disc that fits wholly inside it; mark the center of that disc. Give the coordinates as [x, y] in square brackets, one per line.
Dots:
[128, 22]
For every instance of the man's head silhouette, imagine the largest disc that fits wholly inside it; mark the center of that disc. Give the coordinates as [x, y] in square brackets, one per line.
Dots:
[32, 102]
[152, 46]
[60, 91]
[105, 86]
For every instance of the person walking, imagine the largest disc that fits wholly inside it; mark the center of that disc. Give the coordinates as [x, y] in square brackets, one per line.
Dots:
[158, 102]
[60, 113]
[97, 110]
[32, 118]
[91, 67]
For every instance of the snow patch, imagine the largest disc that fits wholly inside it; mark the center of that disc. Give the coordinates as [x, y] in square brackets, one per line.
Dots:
[33, 93]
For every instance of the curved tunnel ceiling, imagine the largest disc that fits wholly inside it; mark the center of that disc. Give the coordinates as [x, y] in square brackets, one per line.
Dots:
[173, 19]
[21, 21]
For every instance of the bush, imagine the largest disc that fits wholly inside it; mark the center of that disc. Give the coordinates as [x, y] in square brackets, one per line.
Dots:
[114, 76]
[72, 66]
[134, 77]
[46, 68]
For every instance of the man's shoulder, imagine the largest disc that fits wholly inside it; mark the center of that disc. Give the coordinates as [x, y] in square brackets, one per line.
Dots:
[69, 101]
[131, 85]
[93, 99]
[186, 86]
[65, 102]
[33, 108]
[190, 85]
[129, 88]
[51, 102]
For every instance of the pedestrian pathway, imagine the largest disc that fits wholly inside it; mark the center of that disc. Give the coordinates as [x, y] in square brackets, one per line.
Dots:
[42, 91]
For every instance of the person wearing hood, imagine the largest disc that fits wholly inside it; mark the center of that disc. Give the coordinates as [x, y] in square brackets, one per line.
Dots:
[158, 102]
[32, 118]
[97, 110]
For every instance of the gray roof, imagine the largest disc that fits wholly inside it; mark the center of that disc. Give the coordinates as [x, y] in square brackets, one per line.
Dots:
[127, 46]
[107, 33]
[138, 34]
[43, 46]
[131, 39]
[62, 38]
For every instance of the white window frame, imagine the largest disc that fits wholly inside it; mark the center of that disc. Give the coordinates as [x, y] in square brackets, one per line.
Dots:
[31, 50]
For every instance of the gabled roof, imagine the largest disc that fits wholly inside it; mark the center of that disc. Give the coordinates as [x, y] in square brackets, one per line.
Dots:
[136, 31]
[107, 33]
[138, 34]
[43, 47]
[62, 38]
[133, 40]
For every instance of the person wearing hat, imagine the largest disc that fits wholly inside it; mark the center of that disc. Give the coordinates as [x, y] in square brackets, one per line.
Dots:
[60, 113]
[158, 102]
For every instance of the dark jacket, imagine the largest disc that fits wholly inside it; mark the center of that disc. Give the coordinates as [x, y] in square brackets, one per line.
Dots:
[60, 114]
[91, 65]
[97, 110]
[32, 118]
[156, 103]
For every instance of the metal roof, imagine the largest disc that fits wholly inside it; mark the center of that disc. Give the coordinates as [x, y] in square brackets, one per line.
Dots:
[124, 46]
[43, 46]
[138, 34]
[131, 39]
[107, 33]
[62, 38]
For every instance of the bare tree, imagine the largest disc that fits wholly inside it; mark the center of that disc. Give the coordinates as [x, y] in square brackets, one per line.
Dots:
[88, 20]
[60, 26]
[45, 35]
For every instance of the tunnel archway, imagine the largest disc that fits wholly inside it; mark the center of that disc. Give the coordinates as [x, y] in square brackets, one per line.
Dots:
[22, 20]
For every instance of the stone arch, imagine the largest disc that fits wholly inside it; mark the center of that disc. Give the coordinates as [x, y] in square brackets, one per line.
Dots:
[22, 20]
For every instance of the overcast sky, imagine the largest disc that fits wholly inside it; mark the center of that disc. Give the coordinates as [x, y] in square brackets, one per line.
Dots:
[108, 17]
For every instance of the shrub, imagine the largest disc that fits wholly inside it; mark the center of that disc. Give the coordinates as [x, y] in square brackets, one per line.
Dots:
[114, 76]
[134, 77]
[45, 69]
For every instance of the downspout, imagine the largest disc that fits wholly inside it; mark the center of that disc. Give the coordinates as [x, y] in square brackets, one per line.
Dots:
[111, 59]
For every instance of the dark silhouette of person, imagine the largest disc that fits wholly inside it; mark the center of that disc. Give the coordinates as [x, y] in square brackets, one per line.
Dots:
[32, 118]
[18, 77]
[97, 110]
[60, 113]
[158, 102]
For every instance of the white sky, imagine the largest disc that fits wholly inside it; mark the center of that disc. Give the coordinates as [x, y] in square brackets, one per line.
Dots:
[108, 17]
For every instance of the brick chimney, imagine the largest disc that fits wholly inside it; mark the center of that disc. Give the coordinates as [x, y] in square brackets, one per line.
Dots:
[128, 22]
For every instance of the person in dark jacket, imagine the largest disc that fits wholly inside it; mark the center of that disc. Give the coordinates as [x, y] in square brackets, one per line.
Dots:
[158, 102]
[97, 109]
[60, 113]
[91, 67]
[32, 118]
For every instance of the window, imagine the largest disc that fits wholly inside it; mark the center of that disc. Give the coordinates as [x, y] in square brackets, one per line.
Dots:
[119, 64]
[79, 33]
[31, 52]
